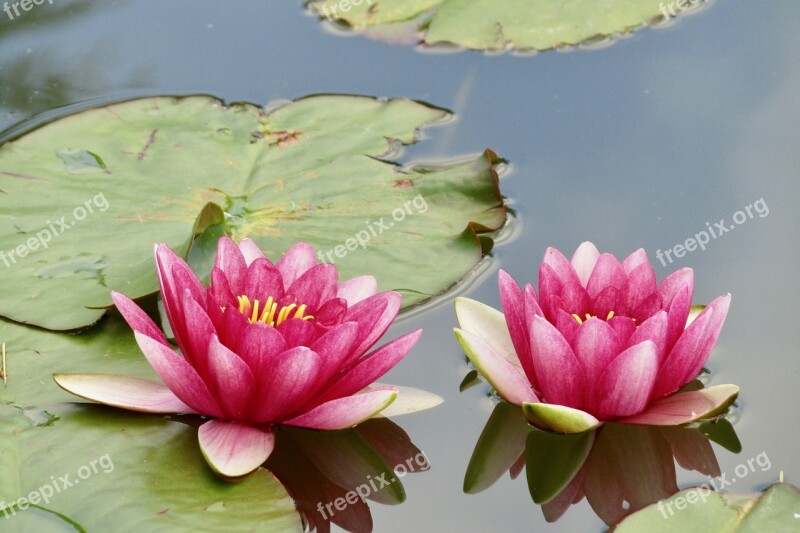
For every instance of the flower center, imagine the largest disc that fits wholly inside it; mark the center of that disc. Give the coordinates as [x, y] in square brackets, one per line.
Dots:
[270, 313]
[589, 316]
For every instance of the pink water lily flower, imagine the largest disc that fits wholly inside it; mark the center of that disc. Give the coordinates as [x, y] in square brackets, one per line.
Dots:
[602, 341]
[264, 344]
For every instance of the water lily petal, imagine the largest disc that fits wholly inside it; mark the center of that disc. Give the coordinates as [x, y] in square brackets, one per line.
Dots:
[136, 318]
[559, 418]
[198, 333]
[181, 378]
[292, 377]
[335, 348]
[231, 261]
[251, 251]
[693, 348]
[125, 392]
[687, 407]
[607, 300]
[637, 258]
[640, 284]
[575, 299]
[371, 367]
[262, 281]
[608, 272]
[507, 380]
[297, 332]
[409, 400]
[678, 315]
[624, 327]
[653, 329]
[356, 289]
[558, 369]
[561, 266]
[567, 325]
[346, 412]
[315, 286]
[549, 289]
[295, 262]
[331, 313]
[219, 292]
[672, 284]
[234, 450]
[374, 316]
[230, 380]
[624, 388]
[595, 346]
[494, 328]
[583, 261]
[259, 345]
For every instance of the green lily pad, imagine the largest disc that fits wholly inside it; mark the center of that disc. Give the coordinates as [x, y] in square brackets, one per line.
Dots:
[83, 199]
[700, 509]
[499, 24]
[152, 464]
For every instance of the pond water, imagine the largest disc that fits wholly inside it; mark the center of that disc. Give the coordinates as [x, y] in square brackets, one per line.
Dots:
[639, 144]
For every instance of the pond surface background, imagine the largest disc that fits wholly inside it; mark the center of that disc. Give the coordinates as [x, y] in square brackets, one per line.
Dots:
[636, 145]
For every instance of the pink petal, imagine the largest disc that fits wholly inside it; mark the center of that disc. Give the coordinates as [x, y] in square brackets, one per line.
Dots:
[549, 290]
[653, 329]
[315, 286]
[559, 371]
[687, 407]
[136, 318]
[332, 312]
[230, 380]
[374, 316]
[175, 276]
[263, 280]
[125, 392]
[624, 327]
[220, 291]
[637, 258]
[292, 377]
[608, 272]
[624, 388]
[199, 330]
[356, 289]
[179, 376]
[295, 262]
[232, 449]
[584, 260]
[678, 314]
[371, 367]
[490, 325]
[693, 348]
[297, 332]
[335, 348]
[672, 284]
[259, 345]
[346, 412]
[562, 268]
[567, 325]
[575, 299]
[609, 299]
[250, 251]
[231, 261]
[641, 283]
[596, 344]
[509, 383]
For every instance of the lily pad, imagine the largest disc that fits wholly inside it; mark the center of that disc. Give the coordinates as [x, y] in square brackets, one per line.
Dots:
[700, 509]
[83, 199]
[152, 464]
[498, 24]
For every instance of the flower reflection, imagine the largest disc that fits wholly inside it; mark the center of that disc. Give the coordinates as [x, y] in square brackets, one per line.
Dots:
[331, 474]
[618, 468]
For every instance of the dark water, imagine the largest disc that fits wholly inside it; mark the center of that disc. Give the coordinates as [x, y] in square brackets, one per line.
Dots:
[636, 145]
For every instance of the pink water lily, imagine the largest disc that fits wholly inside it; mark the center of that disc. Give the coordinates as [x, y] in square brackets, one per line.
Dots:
[264, 344]
[602, 341]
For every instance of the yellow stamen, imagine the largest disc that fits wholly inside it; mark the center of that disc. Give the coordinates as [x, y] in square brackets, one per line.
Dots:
[576, 317]
[270, 313]
[610, 315]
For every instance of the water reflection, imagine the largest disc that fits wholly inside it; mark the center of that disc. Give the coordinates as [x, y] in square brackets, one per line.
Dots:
[331, 474]
[618, 468]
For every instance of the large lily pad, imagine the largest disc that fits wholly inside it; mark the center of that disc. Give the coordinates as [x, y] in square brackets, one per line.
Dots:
[140, 473]
[700, 509]
[498, 24]
[84, 198]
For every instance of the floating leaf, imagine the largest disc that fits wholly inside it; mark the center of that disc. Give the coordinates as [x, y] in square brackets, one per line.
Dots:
[310, 170]
[700, 509]
[499, 24]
